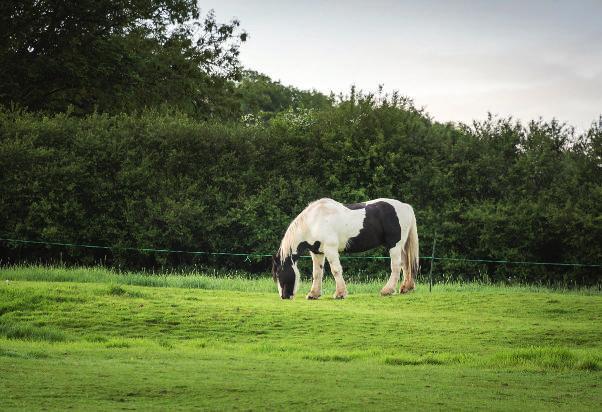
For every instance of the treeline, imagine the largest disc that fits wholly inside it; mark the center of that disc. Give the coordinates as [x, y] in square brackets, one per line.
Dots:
[495, 190]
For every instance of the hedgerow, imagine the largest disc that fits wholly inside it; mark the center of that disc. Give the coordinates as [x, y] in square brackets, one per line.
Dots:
[495, 189]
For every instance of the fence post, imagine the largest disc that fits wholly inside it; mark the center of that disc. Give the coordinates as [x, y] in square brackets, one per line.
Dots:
[432, 263]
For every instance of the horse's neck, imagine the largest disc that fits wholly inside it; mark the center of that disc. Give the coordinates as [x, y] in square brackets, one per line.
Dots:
[295, 246]
[294, 252]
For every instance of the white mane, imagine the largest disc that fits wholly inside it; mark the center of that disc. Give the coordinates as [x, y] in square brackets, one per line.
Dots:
[295, 229]
[290, 237]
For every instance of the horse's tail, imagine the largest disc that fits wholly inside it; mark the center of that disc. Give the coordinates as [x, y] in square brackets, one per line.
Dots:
[412, 254]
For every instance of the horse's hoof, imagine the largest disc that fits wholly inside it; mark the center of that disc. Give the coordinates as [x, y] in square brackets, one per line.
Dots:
[340, 296]
[406, 289]
[312, 297]
[387, 291]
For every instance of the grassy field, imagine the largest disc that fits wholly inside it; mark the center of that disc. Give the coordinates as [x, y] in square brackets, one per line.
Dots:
[93, 339]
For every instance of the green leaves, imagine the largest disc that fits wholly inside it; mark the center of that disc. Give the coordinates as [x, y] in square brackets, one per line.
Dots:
[496, 190]
[112, 57]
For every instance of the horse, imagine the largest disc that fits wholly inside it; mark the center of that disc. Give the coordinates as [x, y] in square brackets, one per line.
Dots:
[326, 227]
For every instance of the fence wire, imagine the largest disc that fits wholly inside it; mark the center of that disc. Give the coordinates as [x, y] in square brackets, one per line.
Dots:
[248, 255]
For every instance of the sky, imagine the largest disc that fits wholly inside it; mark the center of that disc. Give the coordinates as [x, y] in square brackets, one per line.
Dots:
[457, 59]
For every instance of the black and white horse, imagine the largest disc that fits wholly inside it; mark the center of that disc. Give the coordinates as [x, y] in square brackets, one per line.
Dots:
[327, 227]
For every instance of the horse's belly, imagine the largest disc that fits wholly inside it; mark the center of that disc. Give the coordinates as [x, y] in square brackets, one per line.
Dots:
[364, 241]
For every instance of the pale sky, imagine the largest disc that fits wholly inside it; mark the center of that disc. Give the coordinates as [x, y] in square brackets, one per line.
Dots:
[457, 59]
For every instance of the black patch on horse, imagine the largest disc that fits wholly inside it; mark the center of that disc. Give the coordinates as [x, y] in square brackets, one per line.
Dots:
[380, 227]
[305, 246]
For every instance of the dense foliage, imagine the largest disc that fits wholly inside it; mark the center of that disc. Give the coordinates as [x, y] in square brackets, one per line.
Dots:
[115, 56]
[262, 97]
[497, 189]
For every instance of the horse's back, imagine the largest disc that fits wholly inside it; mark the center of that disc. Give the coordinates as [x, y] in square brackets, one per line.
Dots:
[325, 208]
[404, 211]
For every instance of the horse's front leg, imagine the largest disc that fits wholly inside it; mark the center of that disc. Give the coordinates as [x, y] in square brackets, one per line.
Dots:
[332, 254]
[318, 273]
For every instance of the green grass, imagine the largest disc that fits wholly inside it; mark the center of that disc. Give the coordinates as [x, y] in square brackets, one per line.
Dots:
[95, 339]
[241, 281]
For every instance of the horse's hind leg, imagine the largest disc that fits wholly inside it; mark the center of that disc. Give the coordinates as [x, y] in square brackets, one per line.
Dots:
[408, 281]
[395, 254]
[318, 273]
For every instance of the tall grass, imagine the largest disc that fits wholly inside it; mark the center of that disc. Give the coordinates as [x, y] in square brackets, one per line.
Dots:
[212, 279]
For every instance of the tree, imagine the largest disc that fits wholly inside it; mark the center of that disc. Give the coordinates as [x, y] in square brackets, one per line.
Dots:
[258, 93]
[115, 56]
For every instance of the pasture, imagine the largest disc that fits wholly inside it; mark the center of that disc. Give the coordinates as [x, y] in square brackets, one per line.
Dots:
[93, 339]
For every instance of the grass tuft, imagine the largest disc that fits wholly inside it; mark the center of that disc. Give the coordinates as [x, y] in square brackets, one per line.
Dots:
[118, 343]
[9, 353]
[588, 365]
[10, 330]
[409, 360]
[328, 358]
[36, 354]
[116, 290]
[543, 358]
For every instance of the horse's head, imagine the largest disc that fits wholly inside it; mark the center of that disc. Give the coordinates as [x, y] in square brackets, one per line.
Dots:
[285, 276]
